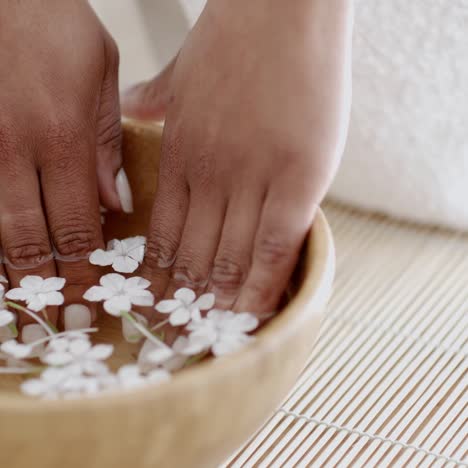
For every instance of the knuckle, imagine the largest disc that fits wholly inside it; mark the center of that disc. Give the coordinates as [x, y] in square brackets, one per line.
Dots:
[186, 271]
[26, 246]
[227, 275]
[260, 293]
[160, 252]
[272, 250]
[110, 133]
[74, 239]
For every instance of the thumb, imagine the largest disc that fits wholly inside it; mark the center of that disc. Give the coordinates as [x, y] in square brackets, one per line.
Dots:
[148, 100]
[114, 191]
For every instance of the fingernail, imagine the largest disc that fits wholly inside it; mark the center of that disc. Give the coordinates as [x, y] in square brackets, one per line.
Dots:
[33, 332]
[129, 332]
[76, 316]
[124, 191]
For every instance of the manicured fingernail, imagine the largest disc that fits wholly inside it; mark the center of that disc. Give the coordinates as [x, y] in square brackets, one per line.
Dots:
[76, 316]
[130, 333]
[124, 191]
[33, 332]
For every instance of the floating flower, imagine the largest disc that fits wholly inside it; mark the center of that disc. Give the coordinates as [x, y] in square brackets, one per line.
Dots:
[67, 382]
[152, 355]
[131, 376]
[119, 293]
[38, 292]
[124, 255]
[6, 317]
[223, 332]
[78, 352]
[185, 306]
[16, 350]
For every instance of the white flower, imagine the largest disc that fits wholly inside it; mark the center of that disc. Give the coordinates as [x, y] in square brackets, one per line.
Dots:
[185, 306]
[221, 331]
[38, 292]
[67, 382]
[151, 355]
[15, 349]
[6, 317]
[119, 293]
[131, 376]
[79, 353]
[124, 255]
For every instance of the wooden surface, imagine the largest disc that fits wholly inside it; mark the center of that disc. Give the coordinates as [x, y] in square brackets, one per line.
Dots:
[204, 412]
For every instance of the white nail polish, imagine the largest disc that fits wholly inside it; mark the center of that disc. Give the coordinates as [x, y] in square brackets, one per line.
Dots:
[124, 191]
[76, 316]
[33, 332]
[129, 332]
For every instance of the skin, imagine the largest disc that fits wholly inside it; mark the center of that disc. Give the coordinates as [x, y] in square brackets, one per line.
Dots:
[59, 140]
[256, 106]
[256, 109]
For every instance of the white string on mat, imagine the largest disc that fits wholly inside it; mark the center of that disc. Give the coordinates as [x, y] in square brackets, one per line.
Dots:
[369, 436]
[391, 360]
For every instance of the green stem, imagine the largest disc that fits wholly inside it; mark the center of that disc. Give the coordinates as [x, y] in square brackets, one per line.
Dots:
[159, 325]
[143, 330]
[32, 315]
[13, 329]
[197, 358]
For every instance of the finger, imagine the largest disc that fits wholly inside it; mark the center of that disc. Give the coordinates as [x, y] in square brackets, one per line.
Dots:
[283, 227]
[167, 221]
[109, 136]
[149, 100]
[233, 258]
[199, 242]
[24, 235]
[69, 186]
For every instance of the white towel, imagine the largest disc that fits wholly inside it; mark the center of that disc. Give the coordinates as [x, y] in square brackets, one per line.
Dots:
[407, 152]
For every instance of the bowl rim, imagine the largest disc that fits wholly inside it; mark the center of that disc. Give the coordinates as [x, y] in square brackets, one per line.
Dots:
[311, 297]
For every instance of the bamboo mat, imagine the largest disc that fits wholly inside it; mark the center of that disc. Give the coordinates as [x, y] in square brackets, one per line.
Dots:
[387, 382]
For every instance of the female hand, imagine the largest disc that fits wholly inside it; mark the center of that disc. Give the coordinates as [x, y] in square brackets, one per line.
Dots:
[256, 105]
[59, 143]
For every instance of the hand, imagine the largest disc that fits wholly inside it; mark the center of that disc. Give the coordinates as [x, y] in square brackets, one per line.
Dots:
[59, 143]
[256, 104]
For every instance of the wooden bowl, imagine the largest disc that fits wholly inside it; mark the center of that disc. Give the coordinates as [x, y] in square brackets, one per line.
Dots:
[205, 412]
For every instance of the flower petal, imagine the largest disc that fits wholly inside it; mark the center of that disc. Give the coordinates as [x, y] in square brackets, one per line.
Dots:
[18, 294]
[15, 349]
[186, 295]
[57, 358]
[3, 279]
[6, 317]
[53, 298]
[31, 282]
[100, 352]
[34, 387]
[52, 284]
[124, 264]
[101, 257]
[79, 347]
[113, 281]
[159, 355]
[158, 376]
[205, 301]
[142, 298]
[244, 322]
[118, 304]
[36, 302]
[230, 344]
[97, 294]
[136, 283]
[168, 305]
[180, 316]
[129, 332]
